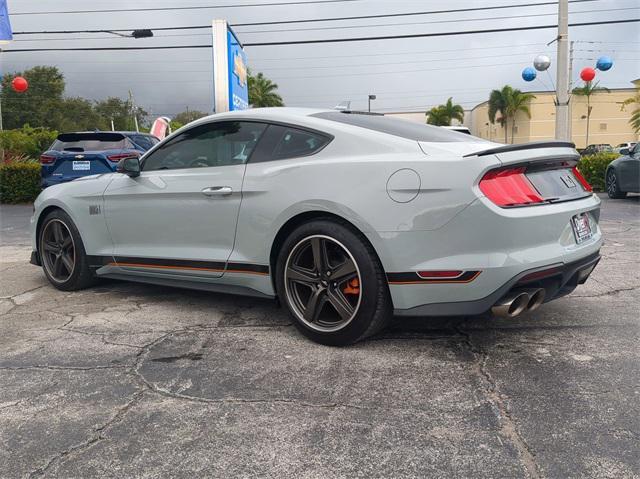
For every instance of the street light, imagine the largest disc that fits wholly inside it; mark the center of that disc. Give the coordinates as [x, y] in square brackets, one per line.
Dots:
[371, 97]
[144, 33]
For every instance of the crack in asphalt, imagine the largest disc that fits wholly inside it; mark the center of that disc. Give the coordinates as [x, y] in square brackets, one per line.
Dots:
[496, 398]
[80, 447]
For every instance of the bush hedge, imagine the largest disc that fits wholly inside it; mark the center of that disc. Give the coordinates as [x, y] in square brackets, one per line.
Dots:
[593, 168]
[19, 181]
[27, 141]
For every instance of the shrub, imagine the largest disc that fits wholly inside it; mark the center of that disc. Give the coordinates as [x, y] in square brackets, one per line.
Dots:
[27, 141]
[19, 181]
[593, 168]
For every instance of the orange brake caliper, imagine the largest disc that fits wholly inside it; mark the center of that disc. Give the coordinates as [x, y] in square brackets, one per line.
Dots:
[353, 287]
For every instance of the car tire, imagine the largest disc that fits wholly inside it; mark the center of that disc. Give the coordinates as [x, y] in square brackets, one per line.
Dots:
[62, 253]
[613, 188]
[331, 266]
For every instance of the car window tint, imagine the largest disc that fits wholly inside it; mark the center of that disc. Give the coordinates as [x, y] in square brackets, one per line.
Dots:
[88, 145]
[394, 126]
[294, 143]
[143, 141]
[207, 145]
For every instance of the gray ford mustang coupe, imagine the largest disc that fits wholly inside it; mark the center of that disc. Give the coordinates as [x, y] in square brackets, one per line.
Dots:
[347, 218]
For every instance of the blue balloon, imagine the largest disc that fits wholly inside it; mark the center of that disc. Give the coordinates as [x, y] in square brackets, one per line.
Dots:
[529, 74]
[604, 63]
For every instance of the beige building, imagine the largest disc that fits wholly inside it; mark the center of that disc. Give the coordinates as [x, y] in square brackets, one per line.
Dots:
[608, 123]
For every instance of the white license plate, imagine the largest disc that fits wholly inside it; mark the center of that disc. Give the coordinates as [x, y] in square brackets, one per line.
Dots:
[81, 165]
[581, 228]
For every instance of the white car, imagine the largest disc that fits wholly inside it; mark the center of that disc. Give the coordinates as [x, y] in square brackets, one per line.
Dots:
[345, 217]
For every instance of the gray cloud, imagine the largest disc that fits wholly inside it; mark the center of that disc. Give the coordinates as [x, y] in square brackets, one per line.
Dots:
[408, 74]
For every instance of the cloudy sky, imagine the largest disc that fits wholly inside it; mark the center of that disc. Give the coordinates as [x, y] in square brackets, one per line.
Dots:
[405, 74]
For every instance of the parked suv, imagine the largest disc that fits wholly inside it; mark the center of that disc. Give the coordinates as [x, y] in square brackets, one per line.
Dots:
[592, 149]
[74, 155]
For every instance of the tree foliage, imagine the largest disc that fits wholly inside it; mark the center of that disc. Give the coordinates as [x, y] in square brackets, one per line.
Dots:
[442, 115]
[635, 114]
[262, 91]
[587, 91]
[508, 102]
[187, 116]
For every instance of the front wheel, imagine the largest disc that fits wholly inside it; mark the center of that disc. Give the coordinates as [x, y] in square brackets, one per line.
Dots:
[62, 253]
[332, 283]
[613, 188]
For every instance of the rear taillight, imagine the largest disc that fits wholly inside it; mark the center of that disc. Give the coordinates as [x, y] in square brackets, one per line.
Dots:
[120, 156]
[47, 159]
[509, 187]
[581, 179]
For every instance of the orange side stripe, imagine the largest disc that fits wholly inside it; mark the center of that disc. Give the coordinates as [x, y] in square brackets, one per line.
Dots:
[427, 281]
[193, 268]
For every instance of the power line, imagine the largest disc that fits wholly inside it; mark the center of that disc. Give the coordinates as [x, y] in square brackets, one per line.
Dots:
[438, 34]
[314, 20]
[209, 7]
[334, 40]
[457, 20]
[337, 27]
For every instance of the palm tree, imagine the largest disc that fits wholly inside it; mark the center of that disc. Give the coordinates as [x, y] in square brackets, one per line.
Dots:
[262, 91]
[587, 90]
[508, 102]
[442, 115]
[635, 116]
[438, 116]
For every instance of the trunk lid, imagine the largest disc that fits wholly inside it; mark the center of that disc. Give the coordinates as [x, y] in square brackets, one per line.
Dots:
[548, 167]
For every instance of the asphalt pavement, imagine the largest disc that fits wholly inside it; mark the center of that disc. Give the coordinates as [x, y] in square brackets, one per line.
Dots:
[130, 380]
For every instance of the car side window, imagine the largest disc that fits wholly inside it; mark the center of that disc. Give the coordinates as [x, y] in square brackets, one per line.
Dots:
[294, 143]
[635, 154]
[207, 145]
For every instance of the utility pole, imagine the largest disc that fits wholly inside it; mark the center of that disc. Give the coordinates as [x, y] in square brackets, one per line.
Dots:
[132, 105]
[563, 131]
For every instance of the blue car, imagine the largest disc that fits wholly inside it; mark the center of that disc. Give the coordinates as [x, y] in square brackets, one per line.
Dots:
[74, 155]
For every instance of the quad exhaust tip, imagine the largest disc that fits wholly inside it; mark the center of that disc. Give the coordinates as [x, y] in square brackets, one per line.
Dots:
[518, 301]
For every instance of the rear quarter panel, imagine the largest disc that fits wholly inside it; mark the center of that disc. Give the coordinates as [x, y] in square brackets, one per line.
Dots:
[349, 179]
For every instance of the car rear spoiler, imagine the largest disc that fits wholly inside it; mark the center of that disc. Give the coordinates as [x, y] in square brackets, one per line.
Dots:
[88, 136]
[523, 146]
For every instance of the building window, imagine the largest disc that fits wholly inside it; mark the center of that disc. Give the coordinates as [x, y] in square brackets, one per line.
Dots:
[603, 127]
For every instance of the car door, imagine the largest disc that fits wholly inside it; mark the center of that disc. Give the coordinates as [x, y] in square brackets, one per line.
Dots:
[179, 216]
[629, 171]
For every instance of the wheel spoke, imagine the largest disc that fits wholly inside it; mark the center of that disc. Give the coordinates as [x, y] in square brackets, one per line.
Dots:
[300, 276]
[315, 304]
[57, 266]
[318, 248]
[340, 304]
[50, 247]
[57, 232]
[67, 242]
[345, 271]
[67, 261]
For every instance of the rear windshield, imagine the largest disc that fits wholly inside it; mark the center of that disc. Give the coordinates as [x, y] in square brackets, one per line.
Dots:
[144, 141]
[89, 142]
[397, 127]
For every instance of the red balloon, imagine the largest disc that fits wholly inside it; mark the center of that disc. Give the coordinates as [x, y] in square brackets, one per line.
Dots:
[587, 74]
[20, 84]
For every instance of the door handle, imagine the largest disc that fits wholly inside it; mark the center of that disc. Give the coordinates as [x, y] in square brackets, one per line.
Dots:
[217, 191]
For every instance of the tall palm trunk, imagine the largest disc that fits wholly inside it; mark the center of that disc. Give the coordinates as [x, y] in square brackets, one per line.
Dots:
[505, 125]
[513, 128]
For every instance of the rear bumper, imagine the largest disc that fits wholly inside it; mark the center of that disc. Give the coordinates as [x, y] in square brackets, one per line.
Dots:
[495, 249]
[556, 279]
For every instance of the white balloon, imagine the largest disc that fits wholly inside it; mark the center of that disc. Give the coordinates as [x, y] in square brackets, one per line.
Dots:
[541, 63]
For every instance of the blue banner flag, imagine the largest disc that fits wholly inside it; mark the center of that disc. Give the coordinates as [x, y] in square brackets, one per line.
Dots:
[5, 26]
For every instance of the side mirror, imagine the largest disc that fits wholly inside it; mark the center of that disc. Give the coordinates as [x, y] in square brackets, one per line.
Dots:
[129, 166]
[624, 151]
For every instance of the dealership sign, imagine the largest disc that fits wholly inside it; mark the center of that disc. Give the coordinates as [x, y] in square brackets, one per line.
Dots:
[230, 89]
[5, 26]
